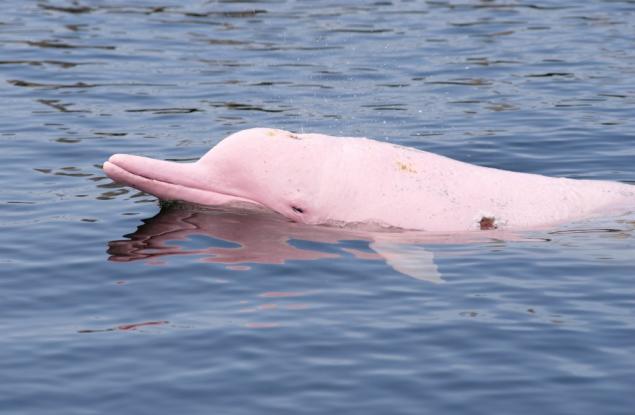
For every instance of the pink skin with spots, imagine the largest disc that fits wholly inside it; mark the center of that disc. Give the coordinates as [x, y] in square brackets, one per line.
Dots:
[319, 179]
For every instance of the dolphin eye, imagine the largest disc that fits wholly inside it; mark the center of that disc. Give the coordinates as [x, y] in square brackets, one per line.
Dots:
[297, 209]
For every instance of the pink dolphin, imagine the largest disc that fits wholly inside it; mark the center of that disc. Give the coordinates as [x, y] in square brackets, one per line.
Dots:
[319, 179]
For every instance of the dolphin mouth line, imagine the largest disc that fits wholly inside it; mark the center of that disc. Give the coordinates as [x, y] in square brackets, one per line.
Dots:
[142, 182]
[154, 179]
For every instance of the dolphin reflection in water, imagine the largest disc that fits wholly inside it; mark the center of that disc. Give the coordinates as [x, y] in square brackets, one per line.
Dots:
[257, 236]
[239, 237]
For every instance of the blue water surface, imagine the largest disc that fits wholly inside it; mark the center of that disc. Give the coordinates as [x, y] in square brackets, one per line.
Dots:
[111, 303]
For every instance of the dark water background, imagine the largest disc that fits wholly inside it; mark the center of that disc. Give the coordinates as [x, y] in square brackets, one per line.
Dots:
[212, 312]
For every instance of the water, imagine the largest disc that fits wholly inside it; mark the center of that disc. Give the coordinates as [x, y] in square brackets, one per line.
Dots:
[111, 305]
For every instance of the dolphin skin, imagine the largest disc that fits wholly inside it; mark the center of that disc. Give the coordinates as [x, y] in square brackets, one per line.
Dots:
[347, 181]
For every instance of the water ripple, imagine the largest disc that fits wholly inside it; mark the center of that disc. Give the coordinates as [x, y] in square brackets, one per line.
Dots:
[113, 304]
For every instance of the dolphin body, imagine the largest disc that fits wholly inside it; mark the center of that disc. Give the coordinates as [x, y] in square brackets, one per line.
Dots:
[346, 181]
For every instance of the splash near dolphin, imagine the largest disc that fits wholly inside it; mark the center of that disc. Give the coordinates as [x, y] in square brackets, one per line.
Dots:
[320, 179]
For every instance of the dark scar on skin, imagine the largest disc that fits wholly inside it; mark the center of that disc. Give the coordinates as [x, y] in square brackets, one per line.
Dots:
[487, 223]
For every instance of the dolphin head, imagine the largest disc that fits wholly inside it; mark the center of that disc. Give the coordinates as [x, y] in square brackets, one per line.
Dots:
[276, 169]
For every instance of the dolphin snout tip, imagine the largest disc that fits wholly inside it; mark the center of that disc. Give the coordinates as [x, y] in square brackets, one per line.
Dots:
[111, 169]
[114, 166]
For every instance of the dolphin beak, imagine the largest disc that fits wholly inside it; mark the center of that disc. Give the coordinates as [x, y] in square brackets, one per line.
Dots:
[166, 180]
